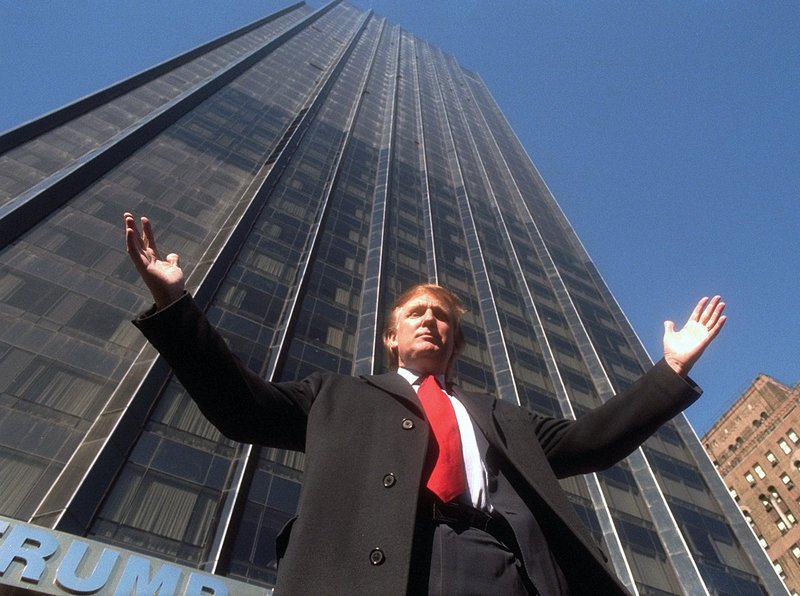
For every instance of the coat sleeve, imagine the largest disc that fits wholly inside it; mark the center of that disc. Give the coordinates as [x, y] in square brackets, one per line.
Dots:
[238, 402]
[609, 433]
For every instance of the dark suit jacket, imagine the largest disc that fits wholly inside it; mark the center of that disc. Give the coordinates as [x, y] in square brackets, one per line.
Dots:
[354, 531]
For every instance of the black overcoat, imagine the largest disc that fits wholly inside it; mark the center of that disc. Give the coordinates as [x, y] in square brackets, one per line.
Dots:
[366, 440]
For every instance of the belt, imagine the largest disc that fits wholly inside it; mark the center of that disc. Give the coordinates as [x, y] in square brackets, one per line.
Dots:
[460, 515]
[463, 515]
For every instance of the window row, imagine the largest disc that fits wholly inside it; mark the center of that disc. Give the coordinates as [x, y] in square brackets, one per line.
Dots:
[784, 445]
[787, 480]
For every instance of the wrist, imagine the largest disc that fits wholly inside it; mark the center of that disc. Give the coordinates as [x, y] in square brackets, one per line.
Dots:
[164, 299]
[680, 368]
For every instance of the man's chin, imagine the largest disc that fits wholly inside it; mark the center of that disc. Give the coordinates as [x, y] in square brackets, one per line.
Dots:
[428, 360]
[428, 349]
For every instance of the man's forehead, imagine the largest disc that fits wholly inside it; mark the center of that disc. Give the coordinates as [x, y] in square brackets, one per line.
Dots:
[424, 299]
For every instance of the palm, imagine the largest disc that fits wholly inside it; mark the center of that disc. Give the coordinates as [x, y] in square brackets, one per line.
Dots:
[165, 271]
[680, 344]
[683, 348]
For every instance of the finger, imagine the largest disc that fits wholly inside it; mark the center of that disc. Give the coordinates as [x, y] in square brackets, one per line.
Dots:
[714, 331]
[717, 316]
[133, 246]
[129, 221]
[131, 239]
[719, 307]
[709, 310]
[149, 239]
[133, 242]
[698, 310]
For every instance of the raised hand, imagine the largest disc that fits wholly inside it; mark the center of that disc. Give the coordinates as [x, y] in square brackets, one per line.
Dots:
[163, 277]
[683, 348]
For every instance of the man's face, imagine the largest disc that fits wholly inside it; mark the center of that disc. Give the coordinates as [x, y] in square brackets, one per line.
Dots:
[423, 336]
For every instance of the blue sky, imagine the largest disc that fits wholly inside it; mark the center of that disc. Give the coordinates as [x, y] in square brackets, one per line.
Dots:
[669, 132]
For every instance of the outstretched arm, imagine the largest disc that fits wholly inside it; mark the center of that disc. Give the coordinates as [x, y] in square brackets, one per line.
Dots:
[163, 277]
[683, 348]
[237, 401]
[605, 435]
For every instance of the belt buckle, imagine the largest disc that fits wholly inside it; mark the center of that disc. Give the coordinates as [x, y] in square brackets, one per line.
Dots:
[481, 520]
[462, 515]
[440, 515]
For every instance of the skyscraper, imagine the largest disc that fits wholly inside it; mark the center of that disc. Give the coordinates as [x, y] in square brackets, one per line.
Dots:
[307, 168]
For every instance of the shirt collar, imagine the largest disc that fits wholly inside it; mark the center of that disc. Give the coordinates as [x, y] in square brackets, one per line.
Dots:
[414, 377]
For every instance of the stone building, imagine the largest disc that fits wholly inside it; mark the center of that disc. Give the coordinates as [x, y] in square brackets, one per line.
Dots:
[756, 448]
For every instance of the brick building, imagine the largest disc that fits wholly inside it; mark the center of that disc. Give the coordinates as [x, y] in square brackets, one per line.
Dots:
[756, 448]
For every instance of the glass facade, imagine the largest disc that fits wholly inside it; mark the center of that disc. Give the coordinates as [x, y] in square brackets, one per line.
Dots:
[307, 168]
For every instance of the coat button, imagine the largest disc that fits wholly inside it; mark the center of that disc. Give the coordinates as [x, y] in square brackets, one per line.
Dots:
[376, 557]
[408, 424]
[389, 480]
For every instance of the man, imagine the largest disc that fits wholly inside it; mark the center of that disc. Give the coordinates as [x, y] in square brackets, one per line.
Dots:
[411, 484]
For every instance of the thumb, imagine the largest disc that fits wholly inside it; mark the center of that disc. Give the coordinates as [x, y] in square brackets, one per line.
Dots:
[173, 259]
[669, 327]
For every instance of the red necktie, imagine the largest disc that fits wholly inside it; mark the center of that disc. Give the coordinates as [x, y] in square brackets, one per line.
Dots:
[448, 478]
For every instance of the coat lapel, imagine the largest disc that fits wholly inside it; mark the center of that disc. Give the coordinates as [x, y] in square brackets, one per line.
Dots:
[509, 430]
[398, 387]
[480, 409]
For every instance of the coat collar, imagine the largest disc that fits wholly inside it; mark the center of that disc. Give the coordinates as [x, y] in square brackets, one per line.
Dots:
[397, 386]
[480, 407]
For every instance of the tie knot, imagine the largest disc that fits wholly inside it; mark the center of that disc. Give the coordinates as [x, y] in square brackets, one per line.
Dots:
[429, 382]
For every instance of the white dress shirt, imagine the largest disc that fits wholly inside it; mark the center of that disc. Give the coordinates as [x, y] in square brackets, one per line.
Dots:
[475, 467]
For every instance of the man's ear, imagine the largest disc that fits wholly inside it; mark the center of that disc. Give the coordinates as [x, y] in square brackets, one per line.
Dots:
[391, 340]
